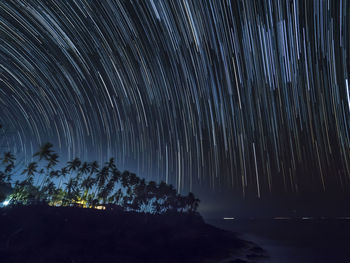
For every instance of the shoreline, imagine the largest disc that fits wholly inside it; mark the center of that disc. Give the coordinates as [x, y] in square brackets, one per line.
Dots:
[291, 241]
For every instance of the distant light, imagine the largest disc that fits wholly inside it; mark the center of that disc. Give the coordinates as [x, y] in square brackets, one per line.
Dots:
[100, 207]
[281, 218]
[6, 202]
[306, 218]
[344, 217]
[229, 218]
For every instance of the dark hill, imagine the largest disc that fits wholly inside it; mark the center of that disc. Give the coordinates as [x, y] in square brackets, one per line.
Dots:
[69, 234]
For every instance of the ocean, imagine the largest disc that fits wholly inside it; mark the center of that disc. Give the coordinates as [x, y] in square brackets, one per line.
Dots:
[309, 240]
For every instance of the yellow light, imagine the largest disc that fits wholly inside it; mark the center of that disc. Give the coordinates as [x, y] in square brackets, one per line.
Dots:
[100, 207]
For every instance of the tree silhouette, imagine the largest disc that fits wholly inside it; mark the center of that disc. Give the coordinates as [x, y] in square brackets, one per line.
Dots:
[90, 186]
[31, 169]
[102, 176]
[87, 185]
[116, 175]
[45, 151]
[94, 167]
[8, 158]
[105, 192]
[111, 164]
[192, 202]
[117, 197]
[74, 164]
[62, 174]
[85, 168]
[52, 160]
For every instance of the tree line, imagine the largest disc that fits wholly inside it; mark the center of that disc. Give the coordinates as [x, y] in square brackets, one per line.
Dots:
[87, 184]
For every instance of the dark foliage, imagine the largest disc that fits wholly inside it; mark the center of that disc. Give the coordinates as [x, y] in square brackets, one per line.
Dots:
[87, 185]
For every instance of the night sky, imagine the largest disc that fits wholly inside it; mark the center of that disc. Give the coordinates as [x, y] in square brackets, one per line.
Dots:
[247, 96]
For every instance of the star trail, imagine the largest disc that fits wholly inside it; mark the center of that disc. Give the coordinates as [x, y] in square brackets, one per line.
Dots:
[247, 95]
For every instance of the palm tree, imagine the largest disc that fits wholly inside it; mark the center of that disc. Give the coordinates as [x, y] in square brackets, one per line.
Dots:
[134, 193]
[41, 177]
[85, 168]
[111, 164]
[140, 198]
[70, 185]
[72, 191]
[8, 158]
[105, 192]
[31, 169]
[9, 161]
[91, 201]
[9, 168]
[62, 173]
[87, 184]
[94, 167]
[129, 192]
[8, 171]
[48, 190]
[45, 151]
[53, 160]
[51, 188]
[54, 174]
[118, 197]
[74, 164]
[28, 181]
[125, 179]
[115, 175]
[133, 179]
[102, 176]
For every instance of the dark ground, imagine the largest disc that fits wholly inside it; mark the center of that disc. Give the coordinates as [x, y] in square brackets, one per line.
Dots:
[43, 234]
